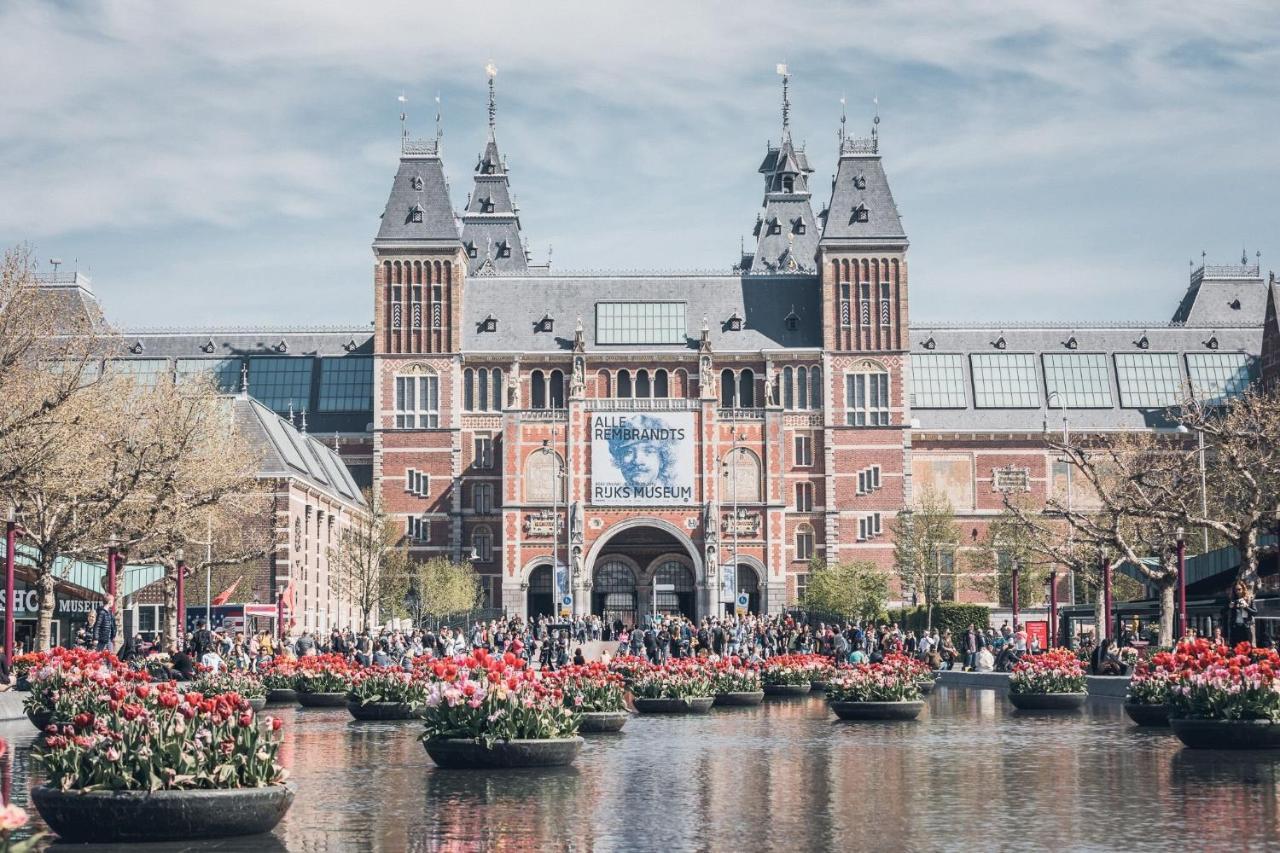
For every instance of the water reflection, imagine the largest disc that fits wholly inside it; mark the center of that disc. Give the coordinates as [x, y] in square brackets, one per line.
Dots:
[971, 774]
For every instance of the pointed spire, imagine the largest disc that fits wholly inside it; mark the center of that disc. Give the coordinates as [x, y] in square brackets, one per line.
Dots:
[244, 380]
[843, 117]
[492, 71]
[875, 124]
[404, 128]
[786, 101]
[439, 128]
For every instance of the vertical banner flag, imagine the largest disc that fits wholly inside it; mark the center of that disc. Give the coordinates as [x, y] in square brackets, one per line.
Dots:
[728, 583]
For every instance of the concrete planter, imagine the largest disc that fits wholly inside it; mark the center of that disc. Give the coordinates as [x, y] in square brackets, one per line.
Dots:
[40, 718]
[258, 703]
[926, 687]
[384, 711]
[906, 710]
[1147, 715]
[595, 722]
[282, 696]
[817, 686]
[1048, 701]
[322, 700]
[1227, 734]
[692, 705]
[740, 699]
[786, 689]
[131, 816]
[465, 753]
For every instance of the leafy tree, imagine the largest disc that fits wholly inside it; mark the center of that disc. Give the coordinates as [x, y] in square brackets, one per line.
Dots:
[857, 590]
[924, 551]
[440, 587]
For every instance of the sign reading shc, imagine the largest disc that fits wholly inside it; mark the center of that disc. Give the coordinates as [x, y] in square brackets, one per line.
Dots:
[642, 459]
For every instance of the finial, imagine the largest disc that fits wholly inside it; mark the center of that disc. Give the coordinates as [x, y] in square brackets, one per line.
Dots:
[1203, 255]
[304, 420]
[1244, 257]
[578, 328]
[843, 102]
[404, 129]
[244, 380]
[786, 102]
[875, 125]
[291, 421]
[492, 71]
[335, 441]
[439, 131]
[550, 249]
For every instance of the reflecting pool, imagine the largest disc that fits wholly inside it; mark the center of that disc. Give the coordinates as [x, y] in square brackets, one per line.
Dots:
[972, 774]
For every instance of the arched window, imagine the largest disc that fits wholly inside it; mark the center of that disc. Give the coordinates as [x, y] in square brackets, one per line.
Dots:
[727, 396]
[802, 388]
[788, 391]
[746, 389]
[642, 383]
[482, 389]
[624, 383]
[815, 387]
[680, 383]
[804, 542]
[497, 389]
[482, 543]
[866, 397]
[538, 389]
[556, 390]
[613, 592]
[542, 477]
[679, 597]
[604, 388]
[468, 398]
[740, 475]
[660, 384]
[417, 400]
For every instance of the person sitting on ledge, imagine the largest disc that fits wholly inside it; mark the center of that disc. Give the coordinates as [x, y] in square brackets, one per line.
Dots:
[184, 668]
[986, 661]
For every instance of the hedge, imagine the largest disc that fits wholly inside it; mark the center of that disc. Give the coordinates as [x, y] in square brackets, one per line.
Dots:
[947, 615]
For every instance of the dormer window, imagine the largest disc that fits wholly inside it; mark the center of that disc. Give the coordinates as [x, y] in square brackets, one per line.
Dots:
[792, 321]
[136, 348]
[859, 182]
[504, 249]
[860, 214]
[788, 184]
[415, 213]
[416, 182]
[489, 324]
[1000, 343]
[486, 204]
[775, 227]
[1144, 343]
[797, 225]
[546, 324]
[1235, 304]
[735, 322]
[470, 246]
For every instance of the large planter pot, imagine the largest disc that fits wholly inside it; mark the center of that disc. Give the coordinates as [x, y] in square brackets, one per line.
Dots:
[926, 687]
[114, 816]
[692, 705]
[465, 753]
[40, 718]
[786, 689]
[595, 722]
[906, 710]
[257, 703]
[740, 698]
[1227, 734]
[817, 687]
[322, 700]
[384, 711]
[1048, 701]
[1147, 715]
[281, 696]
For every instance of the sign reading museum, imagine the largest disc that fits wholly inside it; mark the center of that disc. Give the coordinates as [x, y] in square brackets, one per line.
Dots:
[642, 459]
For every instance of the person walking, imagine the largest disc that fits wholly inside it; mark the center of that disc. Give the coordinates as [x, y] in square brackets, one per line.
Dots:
[104, 625]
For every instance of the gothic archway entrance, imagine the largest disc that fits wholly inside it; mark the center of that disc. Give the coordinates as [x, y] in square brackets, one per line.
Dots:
[749, 582]
[631, 558]
[540, 600]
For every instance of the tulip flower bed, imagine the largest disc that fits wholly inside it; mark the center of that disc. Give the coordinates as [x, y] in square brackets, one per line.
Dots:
[242, 683]
[279, 674]
[1055, 671]
[486, 698]
[386, 685]
[1222, 683]
[55, 676]
[793, 669]
[677, 679]
[590, 688]
[731, 675]
[629, 666]
[895, 679]
[322, 674]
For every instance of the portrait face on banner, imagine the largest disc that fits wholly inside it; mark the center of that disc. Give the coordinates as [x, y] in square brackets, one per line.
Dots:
[642, 459]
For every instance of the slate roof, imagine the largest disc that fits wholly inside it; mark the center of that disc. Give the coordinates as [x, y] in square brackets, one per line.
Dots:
[1109, 339]
[519, 303]
[285, 452]
[419, 184]
[786, 228]
[491, 224]
[1223, 294]
[861, 182]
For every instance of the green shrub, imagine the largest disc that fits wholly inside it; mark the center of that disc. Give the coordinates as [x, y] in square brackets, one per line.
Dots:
[947, 615]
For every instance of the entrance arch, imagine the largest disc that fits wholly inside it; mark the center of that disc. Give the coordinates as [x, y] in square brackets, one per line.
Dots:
[540, 600]
[638, 542]
[750, 581]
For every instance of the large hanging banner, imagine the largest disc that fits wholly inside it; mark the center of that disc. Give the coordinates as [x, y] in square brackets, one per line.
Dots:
[642, 459]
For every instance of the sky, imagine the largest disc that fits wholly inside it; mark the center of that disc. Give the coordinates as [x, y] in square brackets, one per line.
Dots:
[226, 163]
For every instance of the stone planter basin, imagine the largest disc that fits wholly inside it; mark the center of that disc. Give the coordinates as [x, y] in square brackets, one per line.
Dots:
[1147, 715]
[258, 703]
[818, 686]
[786, 689]
[740, 698]
[596, 722]
[40, 718]
[281, 696]
[322, 700]
[906, 710]
[692, 705]
[926, 687]
[465, 753]
[1227, 734]
[1048, 701]
[133, 816]
[384, 711]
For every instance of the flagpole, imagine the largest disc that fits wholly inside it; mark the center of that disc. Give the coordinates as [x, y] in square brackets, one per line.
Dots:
[208, 574]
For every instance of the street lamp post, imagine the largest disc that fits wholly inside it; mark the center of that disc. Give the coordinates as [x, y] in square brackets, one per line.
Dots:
[1182, 584]
[1106, 597]
[10, 546]
[180, 605]
[1014, 596]
[1053, 609]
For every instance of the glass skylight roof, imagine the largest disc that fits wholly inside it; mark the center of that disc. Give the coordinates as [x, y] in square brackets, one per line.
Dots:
[1148, 380]
[640, 323]
[937, 381]
[1077, 380]
[1005, 380]
[1215, 376]
[346, 384]
[279, 382]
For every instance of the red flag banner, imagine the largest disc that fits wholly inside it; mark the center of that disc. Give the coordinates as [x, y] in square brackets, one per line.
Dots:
[225, 596]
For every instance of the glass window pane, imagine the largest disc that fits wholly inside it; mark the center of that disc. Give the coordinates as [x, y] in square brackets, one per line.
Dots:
[640, 323]
[144, 371]
[1077, 380]
[1005, 381]
[346, 384]
[225, 371]
[937, 381]
[281, 381]
[1217, 376]
[1148, 380]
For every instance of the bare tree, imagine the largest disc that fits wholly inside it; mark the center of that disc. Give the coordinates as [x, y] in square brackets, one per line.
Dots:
[371, 562]
[924, 550]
